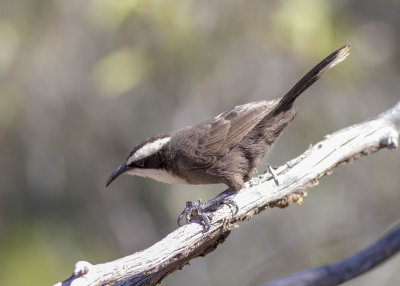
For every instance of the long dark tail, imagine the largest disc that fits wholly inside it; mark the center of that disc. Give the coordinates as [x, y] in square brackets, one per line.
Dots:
[312, 76]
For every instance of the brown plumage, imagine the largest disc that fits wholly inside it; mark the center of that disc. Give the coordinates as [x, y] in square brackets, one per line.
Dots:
[225, 149]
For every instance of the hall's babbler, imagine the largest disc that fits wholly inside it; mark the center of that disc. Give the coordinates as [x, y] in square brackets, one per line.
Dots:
[225, 149]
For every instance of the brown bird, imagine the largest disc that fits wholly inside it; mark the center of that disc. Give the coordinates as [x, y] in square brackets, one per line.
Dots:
[225, 149]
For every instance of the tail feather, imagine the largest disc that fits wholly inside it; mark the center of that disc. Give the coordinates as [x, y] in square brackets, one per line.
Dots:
[312, 76]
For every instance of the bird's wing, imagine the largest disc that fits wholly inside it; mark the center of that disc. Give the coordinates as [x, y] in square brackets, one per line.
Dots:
[202, 145]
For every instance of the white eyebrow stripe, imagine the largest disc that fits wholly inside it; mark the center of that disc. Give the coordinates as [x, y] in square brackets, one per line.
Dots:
[148, 149]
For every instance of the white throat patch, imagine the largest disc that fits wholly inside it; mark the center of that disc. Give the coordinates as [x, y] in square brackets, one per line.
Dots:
[160, 175]
[148, 149]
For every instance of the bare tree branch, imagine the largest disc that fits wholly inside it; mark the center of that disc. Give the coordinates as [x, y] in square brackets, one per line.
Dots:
[151, 265]
[335, 274]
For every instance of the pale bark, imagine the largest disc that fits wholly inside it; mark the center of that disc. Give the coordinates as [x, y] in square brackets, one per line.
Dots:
[151, 265]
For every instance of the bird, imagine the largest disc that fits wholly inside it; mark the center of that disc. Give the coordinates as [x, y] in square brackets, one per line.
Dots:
[225, 149]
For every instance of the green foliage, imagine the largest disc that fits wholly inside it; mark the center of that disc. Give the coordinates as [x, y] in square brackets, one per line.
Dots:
[120, 71]
[64, 66]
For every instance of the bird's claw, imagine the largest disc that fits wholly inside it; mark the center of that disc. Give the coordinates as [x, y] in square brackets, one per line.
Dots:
[196, 210]
[230, 204]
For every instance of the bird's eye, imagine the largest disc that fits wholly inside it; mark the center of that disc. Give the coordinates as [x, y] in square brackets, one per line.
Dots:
[139, 163]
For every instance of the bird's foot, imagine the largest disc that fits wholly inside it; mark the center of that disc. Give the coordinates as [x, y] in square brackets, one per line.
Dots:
[198, 210]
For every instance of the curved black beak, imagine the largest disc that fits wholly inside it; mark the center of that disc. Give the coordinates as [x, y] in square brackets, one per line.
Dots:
[120, 170]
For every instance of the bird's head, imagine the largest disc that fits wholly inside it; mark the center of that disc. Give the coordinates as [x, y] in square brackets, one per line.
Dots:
[145, 160]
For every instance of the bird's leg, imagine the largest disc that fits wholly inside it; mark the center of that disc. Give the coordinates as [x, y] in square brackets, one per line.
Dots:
[197, 210]
[273, 174]
[223, 198]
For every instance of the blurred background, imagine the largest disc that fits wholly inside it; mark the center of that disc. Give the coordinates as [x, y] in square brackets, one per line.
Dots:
[81, 82]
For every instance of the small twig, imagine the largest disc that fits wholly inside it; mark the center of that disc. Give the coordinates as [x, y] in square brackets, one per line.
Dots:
[335, 274]
[151, 265]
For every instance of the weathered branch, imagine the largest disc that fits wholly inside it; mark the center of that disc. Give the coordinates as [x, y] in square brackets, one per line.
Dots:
[151, 265]
[335, 274]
